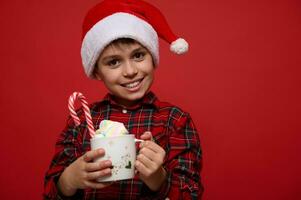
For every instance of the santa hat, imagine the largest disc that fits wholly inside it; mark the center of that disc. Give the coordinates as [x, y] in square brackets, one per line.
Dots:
[136, 19]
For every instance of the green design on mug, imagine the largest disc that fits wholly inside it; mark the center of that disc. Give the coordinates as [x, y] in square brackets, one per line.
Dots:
[129, 166]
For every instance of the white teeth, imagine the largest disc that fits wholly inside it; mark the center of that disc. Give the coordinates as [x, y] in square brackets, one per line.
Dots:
[132, 85]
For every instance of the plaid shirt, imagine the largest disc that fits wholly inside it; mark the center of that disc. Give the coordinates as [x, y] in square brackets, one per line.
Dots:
[171, 128]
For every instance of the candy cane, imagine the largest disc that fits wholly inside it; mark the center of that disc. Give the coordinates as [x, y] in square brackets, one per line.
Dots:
[82, 98]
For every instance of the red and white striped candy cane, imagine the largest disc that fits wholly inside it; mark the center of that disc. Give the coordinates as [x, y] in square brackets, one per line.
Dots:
[82, 98]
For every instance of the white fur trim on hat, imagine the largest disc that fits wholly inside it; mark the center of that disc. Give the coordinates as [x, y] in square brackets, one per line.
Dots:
[179, 46]
[118, 25]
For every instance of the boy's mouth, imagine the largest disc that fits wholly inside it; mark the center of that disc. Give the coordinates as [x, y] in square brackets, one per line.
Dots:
[132, 84]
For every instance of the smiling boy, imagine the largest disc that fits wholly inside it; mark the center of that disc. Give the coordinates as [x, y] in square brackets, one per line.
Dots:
[127, 70]
[120, 48]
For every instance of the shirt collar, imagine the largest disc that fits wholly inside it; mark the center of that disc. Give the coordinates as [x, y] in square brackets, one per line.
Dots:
[149, 99]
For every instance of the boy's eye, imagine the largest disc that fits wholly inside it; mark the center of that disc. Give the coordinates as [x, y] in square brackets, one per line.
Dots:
[113, 63]
[139, 56]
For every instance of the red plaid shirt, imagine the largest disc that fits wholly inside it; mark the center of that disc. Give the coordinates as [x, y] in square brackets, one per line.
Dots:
[171, 128]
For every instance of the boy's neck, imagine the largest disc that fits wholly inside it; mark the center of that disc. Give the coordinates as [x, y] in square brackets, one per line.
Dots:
[125, 103]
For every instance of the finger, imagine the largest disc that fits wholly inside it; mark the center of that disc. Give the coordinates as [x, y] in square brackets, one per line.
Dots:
[142, 169]
[148, 153]
[93, 166]
[91, 155]
[153, 146]
[146, 136]
[147, 162]
[98, 174]
[155, 154]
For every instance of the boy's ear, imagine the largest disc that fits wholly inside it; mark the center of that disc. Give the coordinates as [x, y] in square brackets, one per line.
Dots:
[95, 73]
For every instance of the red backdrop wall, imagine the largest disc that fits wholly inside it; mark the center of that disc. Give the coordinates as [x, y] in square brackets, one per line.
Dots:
[240, 82]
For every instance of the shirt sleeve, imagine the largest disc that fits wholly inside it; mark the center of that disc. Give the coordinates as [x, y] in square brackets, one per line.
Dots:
[66, 151]
[184, 161]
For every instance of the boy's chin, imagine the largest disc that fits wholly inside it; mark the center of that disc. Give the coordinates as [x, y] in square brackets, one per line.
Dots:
[133, 98]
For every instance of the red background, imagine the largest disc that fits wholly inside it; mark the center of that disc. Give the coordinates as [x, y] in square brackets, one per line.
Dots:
[240, 82]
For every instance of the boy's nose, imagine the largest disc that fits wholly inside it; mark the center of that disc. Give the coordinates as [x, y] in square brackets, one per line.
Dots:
[129, 69]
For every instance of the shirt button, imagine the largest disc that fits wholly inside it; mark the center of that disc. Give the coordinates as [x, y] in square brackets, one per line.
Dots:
[124, 111]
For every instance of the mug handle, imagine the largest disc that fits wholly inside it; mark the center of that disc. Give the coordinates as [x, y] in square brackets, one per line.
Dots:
[138, 140]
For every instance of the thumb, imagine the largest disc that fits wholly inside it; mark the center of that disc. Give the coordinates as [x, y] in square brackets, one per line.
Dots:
[146, 136]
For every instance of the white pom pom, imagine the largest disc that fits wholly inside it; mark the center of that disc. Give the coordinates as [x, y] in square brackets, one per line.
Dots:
[179, 46]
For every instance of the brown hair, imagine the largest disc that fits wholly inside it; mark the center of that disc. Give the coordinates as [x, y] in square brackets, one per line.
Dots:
[117, 43]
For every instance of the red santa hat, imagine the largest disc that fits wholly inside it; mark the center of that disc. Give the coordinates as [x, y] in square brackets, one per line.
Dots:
[136, 19]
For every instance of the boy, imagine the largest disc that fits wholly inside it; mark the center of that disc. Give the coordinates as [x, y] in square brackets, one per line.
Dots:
[120, 48]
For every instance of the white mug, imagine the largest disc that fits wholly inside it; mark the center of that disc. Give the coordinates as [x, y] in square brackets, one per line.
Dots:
[121, 151]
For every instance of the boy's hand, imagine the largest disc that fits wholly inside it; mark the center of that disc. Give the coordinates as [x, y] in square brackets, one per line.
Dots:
[149, 163]
[82, 173]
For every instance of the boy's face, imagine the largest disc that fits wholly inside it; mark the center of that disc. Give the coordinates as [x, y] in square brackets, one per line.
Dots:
[127, 71]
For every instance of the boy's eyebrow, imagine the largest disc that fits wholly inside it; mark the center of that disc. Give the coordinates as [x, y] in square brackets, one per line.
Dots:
[139, 49]
[109, 57]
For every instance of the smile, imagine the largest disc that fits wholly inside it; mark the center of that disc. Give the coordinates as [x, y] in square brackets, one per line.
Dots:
[132, 84]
